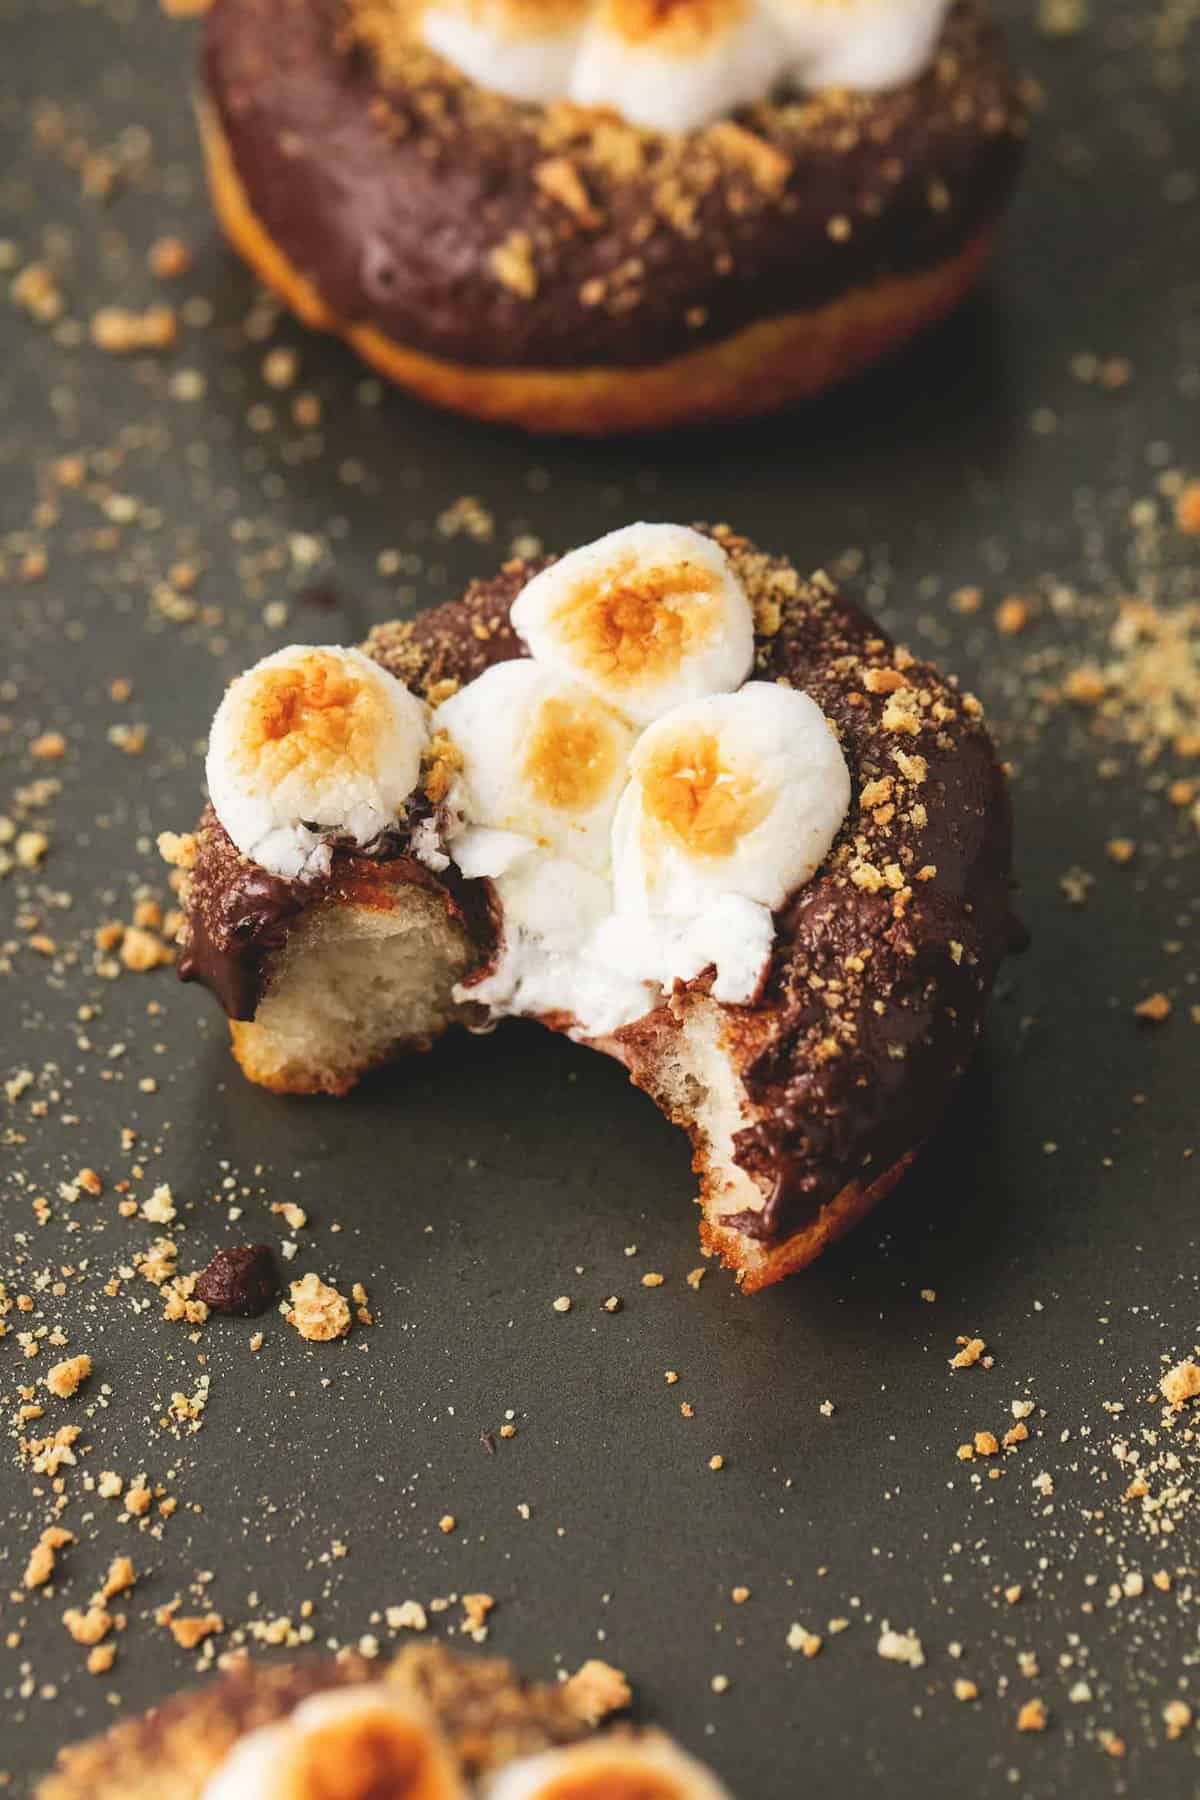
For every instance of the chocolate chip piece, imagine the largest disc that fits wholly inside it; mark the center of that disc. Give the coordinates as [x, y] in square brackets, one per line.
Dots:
[243, 1282]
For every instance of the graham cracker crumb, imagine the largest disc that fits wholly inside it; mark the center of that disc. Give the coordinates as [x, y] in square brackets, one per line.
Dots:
[1181, 1383]
[512, 264]
[596, 1690]
[318, 1312]
[65, 1378]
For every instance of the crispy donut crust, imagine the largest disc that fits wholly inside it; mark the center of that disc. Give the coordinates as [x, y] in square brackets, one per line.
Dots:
[558, 270]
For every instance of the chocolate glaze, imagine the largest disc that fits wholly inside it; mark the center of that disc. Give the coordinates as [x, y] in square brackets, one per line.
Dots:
[389, 182]
[238, 913]
[882, 963]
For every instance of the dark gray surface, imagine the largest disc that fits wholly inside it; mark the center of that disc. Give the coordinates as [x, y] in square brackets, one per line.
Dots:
[471, 1186]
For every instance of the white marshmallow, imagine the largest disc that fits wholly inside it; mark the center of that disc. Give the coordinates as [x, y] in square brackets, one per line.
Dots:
[858, 44]
[736, 794]
[734, 936]
[664, 1769]
[548, 960]
[276, 1761]
[679, 68]
[542, 758]
[308, 745]
[524, 50]
[675, 69]
[647, 617]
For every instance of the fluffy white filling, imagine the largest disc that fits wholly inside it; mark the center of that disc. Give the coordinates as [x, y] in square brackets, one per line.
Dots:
[564, 950]
[548, 960]
[862, 45]
[536, 67]
[426, 845]
[867, 45]
[666, 91]
[733, 935]
[480, 850]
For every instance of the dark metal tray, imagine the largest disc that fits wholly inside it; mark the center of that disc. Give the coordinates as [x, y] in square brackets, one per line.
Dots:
[475, 1186]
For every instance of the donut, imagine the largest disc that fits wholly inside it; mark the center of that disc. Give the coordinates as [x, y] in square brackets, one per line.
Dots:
[673, 801]
[426, 1725]
[598, 216]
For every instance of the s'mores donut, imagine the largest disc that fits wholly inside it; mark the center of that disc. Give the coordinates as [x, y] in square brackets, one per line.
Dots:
[605, 215]
[428, 1725]
[666, 797]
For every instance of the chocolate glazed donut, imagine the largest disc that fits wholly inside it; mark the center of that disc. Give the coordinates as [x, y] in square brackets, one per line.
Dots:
[557, 268]
[803, 1107]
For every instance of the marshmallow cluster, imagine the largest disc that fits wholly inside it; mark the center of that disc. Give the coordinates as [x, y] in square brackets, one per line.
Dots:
[640, 807]
[677, 68]
[367, 1739]
[309, 746]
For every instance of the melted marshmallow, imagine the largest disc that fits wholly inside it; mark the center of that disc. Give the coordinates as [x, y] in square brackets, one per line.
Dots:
[649, 1766]
[681, 66]
[366, 1739]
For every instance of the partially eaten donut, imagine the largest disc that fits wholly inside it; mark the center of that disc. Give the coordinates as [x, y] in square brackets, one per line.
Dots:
[664, 796]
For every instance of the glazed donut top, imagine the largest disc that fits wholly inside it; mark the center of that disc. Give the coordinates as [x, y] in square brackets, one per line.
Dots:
[476, 228]
[676, 65]
[879, 964]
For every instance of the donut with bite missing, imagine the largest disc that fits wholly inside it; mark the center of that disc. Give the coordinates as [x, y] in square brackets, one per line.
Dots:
[662, 794]
[598, 216]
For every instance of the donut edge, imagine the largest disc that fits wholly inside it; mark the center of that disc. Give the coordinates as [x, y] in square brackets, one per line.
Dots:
[765, 366]
[758, 1266]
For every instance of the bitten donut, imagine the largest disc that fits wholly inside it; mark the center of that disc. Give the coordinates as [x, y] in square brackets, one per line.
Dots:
[661, 794]
[426, 1726]
[603, 215]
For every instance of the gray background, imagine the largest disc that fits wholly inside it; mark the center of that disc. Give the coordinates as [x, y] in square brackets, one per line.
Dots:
[475, 1186]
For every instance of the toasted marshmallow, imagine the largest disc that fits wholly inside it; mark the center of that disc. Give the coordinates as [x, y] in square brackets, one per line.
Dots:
[543, 759]
[312, 744]
[735, 794]
[647, 617]
[858, 44]
[352, 1742]
[675, 68]
[648, 1767]
[523, 48]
